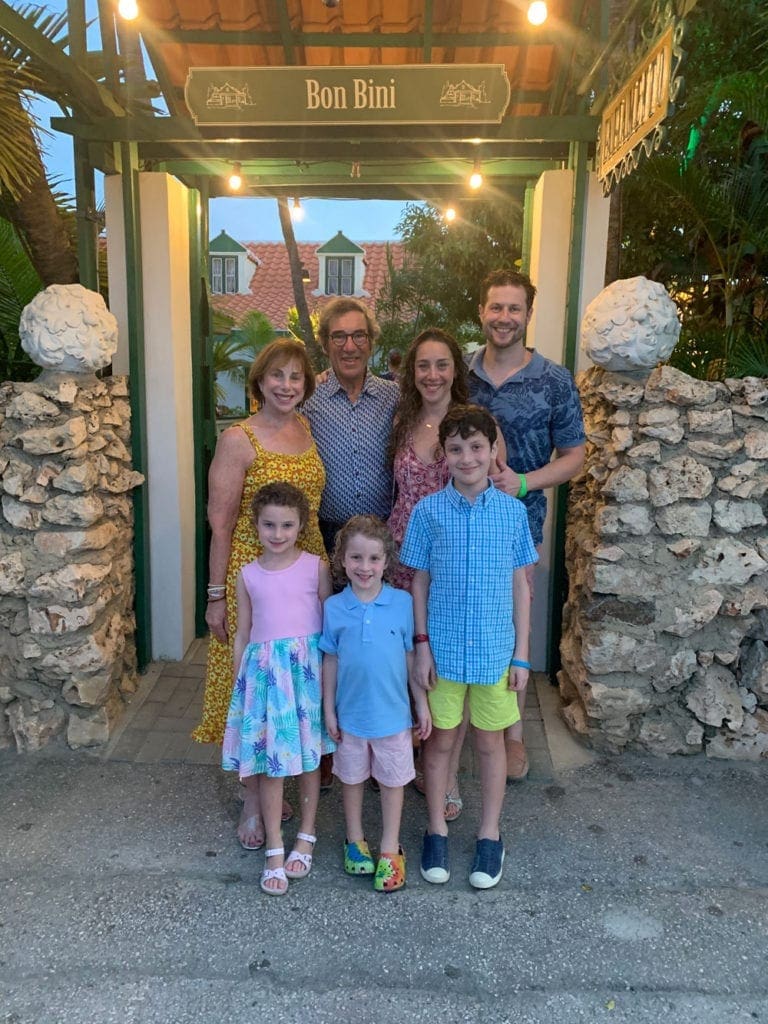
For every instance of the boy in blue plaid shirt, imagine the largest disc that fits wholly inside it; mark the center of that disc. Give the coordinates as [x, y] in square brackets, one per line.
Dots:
[469, 544]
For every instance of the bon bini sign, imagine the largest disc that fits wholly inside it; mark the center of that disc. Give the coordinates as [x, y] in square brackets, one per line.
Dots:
[397, 94]
[640, 106]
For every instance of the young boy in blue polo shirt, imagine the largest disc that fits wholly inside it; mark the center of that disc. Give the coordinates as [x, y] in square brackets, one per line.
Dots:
[368, 654]
[469, 544]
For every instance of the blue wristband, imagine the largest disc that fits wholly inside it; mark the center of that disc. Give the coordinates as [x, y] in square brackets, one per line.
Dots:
[520, 664]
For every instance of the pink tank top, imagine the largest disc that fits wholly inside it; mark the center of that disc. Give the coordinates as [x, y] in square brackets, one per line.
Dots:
[284, 603]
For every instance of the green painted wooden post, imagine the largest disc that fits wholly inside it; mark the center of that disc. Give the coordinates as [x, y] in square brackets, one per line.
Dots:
[127, 158]
[202, 401]
[579, 165]
[525, 254]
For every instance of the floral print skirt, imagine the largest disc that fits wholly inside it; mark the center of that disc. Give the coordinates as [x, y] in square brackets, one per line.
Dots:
[275, 724]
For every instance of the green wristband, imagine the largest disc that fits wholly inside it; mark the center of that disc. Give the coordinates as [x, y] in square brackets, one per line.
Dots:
[523, 486]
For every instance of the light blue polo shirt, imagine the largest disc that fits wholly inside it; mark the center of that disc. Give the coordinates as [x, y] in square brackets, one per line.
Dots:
[370, 641]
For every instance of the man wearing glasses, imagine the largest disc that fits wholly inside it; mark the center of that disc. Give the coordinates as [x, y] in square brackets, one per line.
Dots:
[350, 415]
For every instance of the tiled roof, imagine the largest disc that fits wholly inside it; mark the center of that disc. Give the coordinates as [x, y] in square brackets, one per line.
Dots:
[271, 291]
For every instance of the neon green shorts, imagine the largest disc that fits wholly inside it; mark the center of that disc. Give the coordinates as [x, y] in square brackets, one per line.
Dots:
[490, 707]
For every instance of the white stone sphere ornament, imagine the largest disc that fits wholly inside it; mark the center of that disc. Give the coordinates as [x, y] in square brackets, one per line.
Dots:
[68, 328]
[631, 325]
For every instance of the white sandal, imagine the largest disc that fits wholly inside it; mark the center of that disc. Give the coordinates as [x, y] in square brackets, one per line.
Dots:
[304, 859]
[269, 873]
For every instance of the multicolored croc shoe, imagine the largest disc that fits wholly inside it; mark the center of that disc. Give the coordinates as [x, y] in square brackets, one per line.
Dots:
[358, 859]
[390, 872]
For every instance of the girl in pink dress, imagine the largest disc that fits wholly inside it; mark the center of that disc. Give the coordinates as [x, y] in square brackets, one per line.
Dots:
[275, 726]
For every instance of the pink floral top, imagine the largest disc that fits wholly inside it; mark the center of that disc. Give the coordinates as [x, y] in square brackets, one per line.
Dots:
[414, 480]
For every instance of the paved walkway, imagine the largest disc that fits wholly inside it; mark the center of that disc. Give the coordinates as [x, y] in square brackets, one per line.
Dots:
[156, 728]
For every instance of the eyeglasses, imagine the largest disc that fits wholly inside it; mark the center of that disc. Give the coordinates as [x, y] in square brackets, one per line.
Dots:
[339, 338]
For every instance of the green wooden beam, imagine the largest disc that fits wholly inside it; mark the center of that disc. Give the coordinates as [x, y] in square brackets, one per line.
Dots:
[138, 128]
[428, 42]
[374, 40]
[286, 34]
[82, 91]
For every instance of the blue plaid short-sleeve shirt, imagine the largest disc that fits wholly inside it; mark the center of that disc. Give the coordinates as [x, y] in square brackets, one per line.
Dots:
[470, 551]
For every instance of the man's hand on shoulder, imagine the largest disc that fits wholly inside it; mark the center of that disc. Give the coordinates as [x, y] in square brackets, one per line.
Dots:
[505, 479]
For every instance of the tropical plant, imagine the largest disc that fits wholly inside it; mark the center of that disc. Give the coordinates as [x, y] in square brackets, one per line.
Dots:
[233, 348]
[26, 197]
[19, 283]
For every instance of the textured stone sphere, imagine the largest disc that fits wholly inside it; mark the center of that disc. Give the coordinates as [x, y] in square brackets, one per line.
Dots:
[632, 324]
[67, 327]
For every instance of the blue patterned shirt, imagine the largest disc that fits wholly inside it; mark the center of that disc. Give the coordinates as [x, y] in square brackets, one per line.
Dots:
[538, 410]
[352, 439]
[470, 551]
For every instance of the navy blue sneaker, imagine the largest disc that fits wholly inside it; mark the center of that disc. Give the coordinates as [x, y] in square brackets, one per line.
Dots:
[487, 867]
[434, 859]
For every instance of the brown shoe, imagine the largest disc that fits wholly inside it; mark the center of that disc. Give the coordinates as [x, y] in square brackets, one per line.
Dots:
[326, 771]
[517, 760]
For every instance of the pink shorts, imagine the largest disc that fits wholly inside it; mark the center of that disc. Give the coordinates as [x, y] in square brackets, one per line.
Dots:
[388, 759]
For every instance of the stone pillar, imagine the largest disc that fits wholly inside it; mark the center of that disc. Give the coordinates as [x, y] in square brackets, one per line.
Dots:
[67, 653]
[665, 644]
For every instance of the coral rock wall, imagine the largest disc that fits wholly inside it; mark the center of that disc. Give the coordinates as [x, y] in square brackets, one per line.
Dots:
[67, 653]
[665, 641]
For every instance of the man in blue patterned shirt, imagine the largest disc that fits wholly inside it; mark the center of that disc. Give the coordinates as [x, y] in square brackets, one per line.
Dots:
[470, 545]
[536, 404]
[350, 415]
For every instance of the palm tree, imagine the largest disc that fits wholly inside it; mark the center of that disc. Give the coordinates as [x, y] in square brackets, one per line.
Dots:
[26, 197]
[234, 348]
[19, 283]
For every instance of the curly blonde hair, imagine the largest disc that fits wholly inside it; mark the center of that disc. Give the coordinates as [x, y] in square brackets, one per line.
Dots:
[370, 527]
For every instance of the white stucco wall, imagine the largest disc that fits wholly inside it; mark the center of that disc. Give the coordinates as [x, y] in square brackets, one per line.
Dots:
[550, 246]
[163, 204]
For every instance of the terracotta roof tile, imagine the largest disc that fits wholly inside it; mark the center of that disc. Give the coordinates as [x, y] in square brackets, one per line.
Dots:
[271, 291]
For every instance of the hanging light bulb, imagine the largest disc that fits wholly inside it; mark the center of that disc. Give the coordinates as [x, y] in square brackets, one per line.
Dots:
[537, 12]
[449, 214]
[297, 211]
[128, 9]
[235, 181]
[476, 177]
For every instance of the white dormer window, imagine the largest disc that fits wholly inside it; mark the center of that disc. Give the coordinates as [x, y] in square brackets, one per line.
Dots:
[340, 275]
[224, 275]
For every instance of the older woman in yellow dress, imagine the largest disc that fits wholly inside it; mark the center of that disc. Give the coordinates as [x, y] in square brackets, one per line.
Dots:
[271, 445]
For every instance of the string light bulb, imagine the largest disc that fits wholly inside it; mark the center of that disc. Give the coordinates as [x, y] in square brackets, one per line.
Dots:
[537, 12]
[476, 177]
[128, 9]
[449, 214]
[297, 211]
[235, 180]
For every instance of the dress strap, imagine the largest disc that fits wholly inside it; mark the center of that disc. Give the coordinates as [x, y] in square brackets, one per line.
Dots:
[257, 447]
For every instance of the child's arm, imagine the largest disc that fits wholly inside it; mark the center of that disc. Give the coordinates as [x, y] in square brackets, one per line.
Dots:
[521, 616]
[243, 634]
[324, 583]
[424, 664]
[420, 702]
[330, 672]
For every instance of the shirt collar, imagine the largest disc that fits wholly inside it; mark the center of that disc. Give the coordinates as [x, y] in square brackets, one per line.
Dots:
[334, 385]
[459, 501]
[531, 370]
[350, 601]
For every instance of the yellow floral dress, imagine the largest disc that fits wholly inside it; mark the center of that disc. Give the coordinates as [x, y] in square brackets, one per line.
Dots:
[305, 471]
